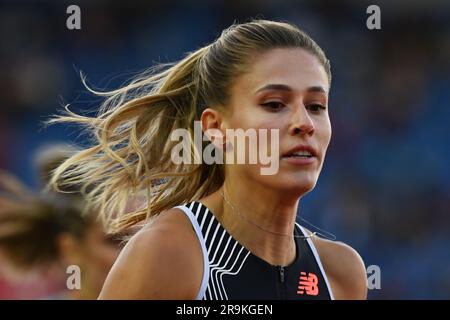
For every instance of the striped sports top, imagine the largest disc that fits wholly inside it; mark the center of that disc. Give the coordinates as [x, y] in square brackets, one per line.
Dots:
[230, 271]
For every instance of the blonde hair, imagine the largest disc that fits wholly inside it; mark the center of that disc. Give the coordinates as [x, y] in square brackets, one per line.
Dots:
[131, 151]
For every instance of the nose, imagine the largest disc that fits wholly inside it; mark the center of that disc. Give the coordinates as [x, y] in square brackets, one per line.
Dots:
[301, 122]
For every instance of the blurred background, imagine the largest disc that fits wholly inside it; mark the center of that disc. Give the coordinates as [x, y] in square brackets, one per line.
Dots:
[385, 187]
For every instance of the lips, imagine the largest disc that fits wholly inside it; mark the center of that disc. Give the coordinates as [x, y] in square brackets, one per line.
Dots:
[301, 151]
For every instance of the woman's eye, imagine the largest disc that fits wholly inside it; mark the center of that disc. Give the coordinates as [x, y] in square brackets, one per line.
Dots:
[315, 107]
[274, 105]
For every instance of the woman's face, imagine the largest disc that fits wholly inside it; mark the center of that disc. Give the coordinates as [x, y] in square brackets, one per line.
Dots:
[287, 90]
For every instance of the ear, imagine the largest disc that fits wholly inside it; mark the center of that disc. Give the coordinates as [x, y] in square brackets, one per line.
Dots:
[213, 126]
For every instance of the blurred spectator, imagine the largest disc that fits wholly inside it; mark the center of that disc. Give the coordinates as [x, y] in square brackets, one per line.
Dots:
[50, 231]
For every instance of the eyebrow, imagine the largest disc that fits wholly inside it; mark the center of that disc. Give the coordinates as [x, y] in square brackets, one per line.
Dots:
[284, 87]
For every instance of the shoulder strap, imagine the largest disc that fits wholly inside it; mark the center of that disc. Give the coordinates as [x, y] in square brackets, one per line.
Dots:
[317, 257]
[201, 239]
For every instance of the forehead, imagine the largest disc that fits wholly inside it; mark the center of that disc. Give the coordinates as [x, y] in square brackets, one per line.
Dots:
[294, 67]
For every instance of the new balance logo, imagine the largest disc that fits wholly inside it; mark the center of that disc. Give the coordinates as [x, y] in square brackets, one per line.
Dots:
[308, 284]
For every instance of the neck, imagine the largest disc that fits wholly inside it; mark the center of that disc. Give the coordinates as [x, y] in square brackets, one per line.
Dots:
[261, 220]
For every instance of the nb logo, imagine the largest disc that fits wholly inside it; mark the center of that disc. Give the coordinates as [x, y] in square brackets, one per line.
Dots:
[308, 284]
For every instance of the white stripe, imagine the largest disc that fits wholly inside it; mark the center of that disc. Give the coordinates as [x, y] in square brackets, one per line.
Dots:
[232, 273]
[204, 216]
[213, 258]
[209, 227]
[215, 272]
[214, 267]
[213, 237]
[205, 278]
[316, 255]
[218, 246]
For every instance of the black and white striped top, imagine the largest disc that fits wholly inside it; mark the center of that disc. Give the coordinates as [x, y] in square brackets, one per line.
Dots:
[233, 272]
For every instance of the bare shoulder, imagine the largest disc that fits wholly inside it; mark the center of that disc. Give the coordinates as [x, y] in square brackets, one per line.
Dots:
[344, 267]
[162, 261]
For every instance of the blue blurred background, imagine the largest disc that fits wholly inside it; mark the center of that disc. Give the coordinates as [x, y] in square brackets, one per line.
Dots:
[385, 188]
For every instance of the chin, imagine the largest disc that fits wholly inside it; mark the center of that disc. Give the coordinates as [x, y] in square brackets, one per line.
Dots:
[298, 184]
[292, 185]
[290, 182]
[302, 189]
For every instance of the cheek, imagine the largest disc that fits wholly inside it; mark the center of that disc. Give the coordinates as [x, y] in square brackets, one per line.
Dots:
[252, 116]
[326, 133]
[251, 119]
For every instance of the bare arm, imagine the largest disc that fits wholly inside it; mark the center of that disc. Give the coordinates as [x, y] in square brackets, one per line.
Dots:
[344, 268]
[162, 261]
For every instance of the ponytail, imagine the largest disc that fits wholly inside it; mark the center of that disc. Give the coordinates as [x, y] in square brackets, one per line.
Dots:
[131, 154]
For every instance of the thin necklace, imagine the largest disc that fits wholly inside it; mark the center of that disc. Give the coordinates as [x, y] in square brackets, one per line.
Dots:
[237, 212]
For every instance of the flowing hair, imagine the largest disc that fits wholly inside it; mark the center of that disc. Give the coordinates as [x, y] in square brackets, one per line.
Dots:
[130, 155]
